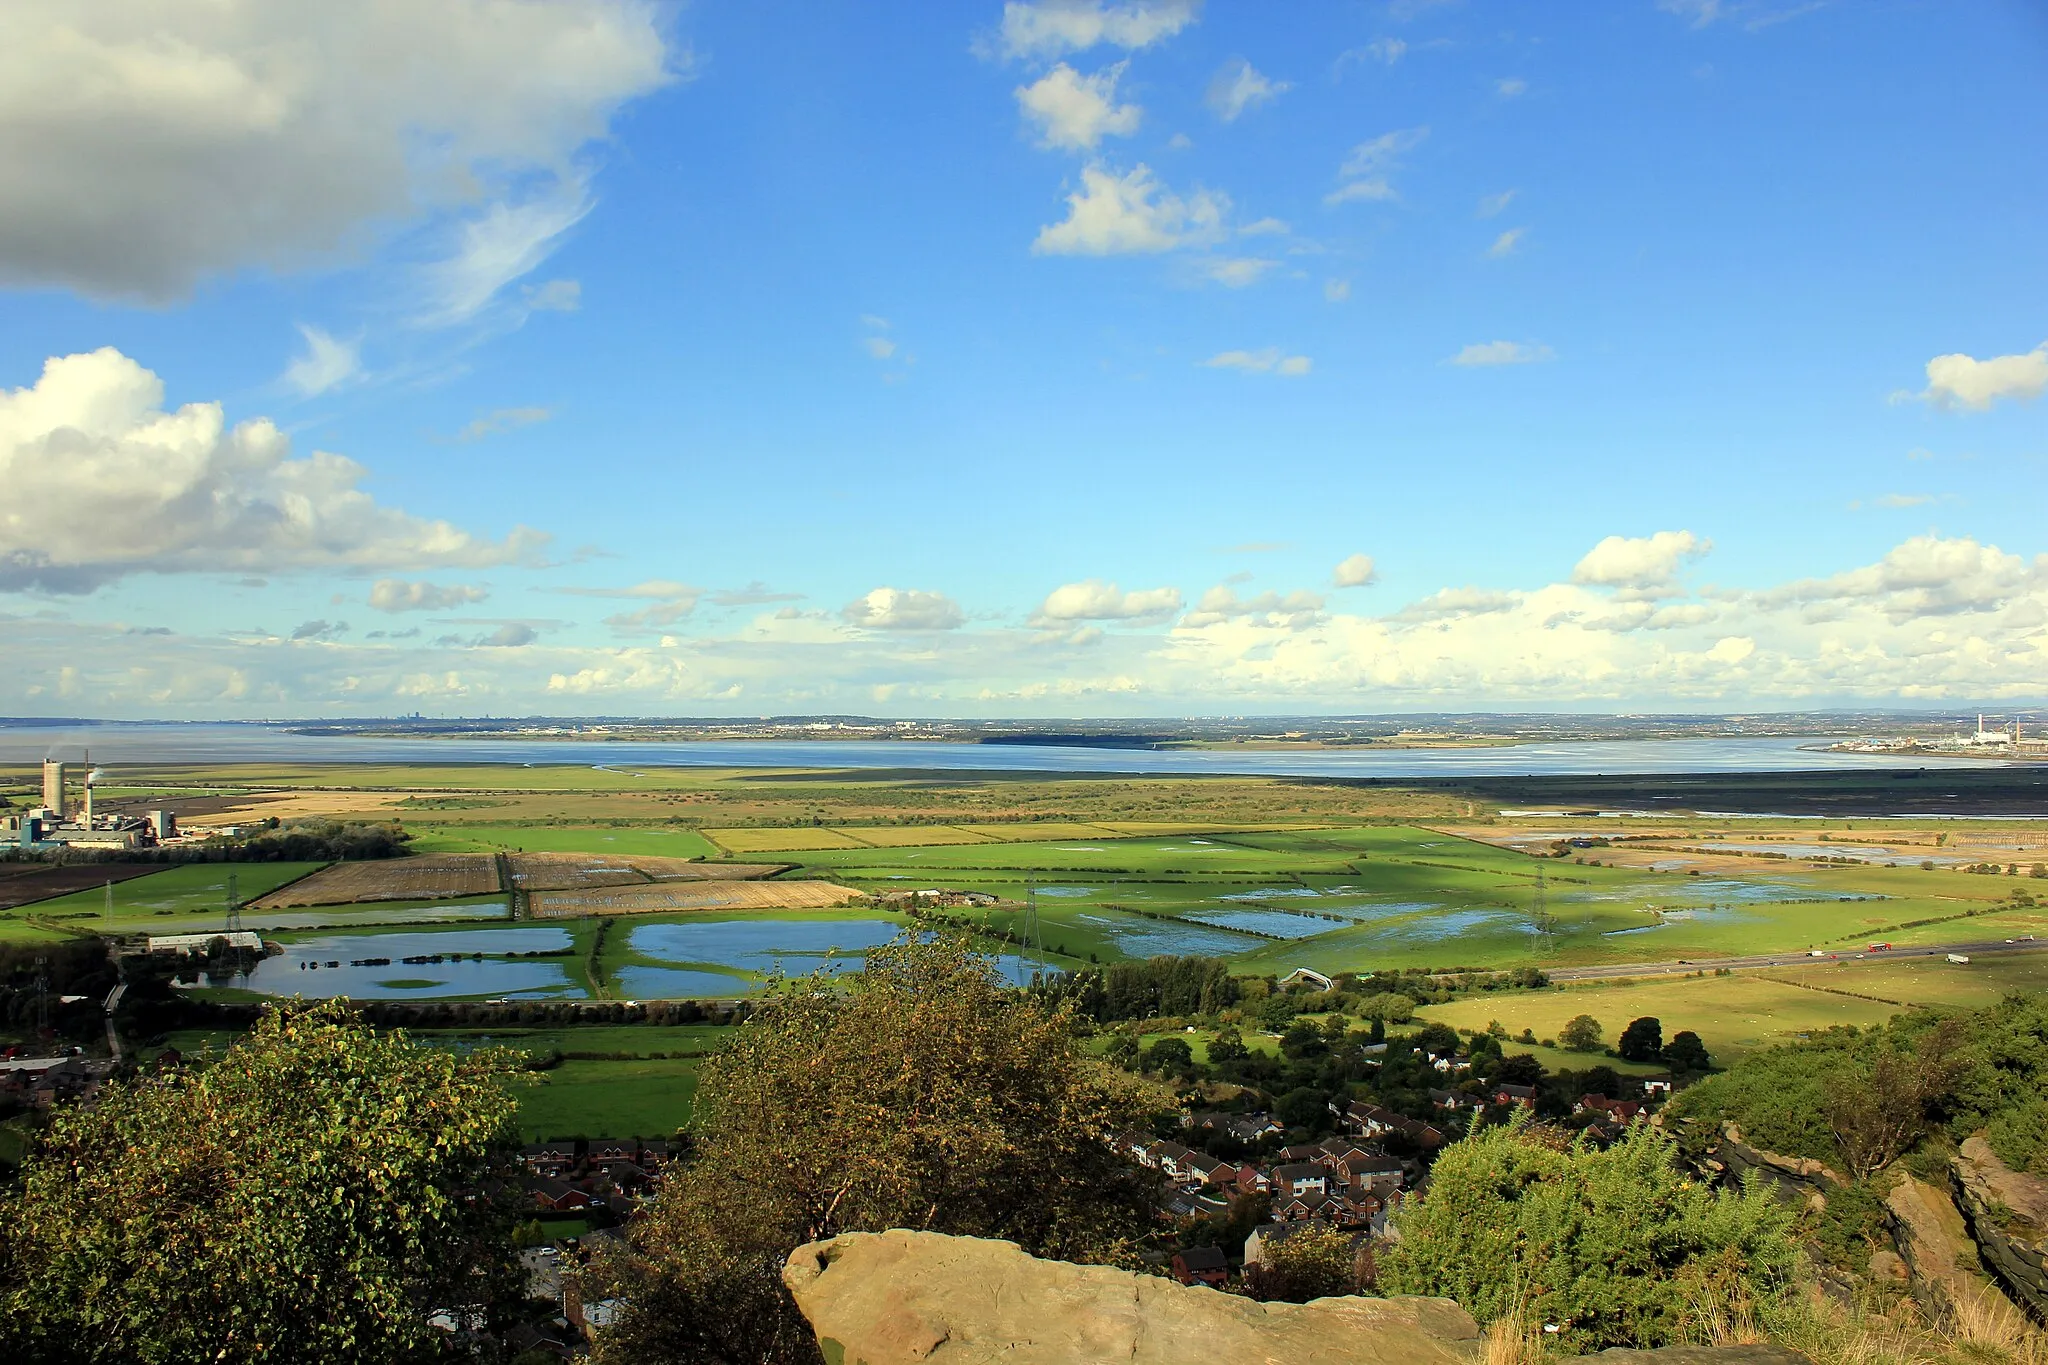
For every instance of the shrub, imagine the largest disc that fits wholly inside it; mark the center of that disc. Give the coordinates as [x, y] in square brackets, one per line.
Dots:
[1615, 1247]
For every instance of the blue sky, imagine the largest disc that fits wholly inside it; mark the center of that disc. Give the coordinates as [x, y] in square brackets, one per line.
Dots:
[1057, 358]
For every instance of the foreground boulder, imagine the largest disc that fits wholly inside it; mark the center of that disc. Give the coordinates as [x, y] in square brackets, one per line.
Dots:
[2007, 1213]
[1937, 1245]
[892, 1298]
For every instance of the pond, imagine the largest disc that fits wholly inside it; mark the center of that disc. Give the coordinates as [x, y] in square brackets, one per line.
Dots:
[425, 913]
[302, 969]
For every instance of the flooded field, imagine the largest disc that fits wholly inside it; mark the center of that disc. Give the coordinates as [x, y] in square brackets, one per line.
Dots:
[374, 966]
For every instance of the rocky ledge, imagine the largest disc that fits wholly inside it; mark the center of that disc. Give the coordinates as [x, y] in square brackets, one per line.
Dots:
[894, 1298]
[2007, 1213]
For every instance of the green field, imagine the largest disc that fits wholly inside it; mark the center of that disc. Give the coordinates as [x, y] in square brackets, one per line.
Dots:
[1732, 1014]
[627, 840]
[166, 902]
[647, 1099]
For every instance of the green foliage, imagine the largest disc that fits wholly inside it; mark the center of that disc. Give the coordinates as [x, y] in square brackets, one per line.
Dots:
[312, 1197]
[1641, 1041]
[1616, 1247]
[1580, 1034]
[1391, 1007]
[1685, 1052]
[1169, 1056]
[1313, 1261]
[917, 1093]
[1862, 1099]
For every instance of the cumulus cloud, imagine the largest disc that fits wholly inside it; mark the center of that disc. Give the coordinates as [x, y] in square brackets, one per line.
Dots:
[1095, 600]
[1293, 610]
[1113, 215]
[1930, 576]
[1076, 112]
[1355, 571]
[1239, 86]
[398, 594]
[1961, 381]
[102, 482]
[1639, 562]
[1502, 353]
[1049, 28]
[192, 140]
[1268, 360]
[327, 364]
[904, 609]
[1367, 172]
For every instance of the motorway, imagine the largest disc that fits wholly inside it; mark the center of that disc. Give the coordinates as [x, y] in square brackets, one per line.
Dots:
[1708, 964]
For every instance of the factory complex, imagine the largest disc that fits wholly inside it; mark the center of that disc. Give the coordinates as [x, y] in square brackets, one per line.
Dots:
[56, 824]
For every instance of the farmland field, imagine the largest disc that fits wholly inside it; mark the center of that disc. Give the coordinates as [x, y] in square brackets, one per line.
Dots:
[165, 901]
[658, 842]
[697, 895]
[433, 877]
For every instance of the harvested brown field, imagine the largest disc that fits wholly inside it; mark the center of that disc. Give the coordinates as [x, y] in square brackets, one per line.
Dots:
[436, 876]
[575, 871]
[27, 883]
[654, 900]
[799, 838]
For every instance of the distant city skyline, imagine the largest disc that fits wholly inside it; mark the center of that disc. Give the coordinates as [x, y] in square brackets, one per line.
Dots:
[1059, 358]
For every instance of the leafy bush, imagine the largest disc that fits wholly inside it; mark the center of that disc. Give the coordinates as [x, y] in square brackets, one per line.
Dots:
[1615, 1247]
[1313, 1261]
[312, 1197]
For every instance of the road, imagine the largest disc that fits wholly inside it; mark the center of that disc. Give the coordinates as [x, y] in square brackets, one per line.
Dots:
[1708, 964]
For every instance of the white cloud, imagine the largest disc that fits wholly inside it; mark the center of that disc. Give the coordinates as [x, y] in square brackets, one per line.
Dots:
[1502, 353]
[1095, 600]
[1505, 244]
[1112, 215]
[1366, 172]
[498, 246]
[554, 296]
[1508, 87]
[397, 594]
[1292, 611]
[1961, 381]
[879, 348]
[1076, 112]
[1336, 291]
[1639, 562]
[1239, 86]
[1235, 272]
[327, 364]
[1929, 576]
[501, 419]
[1264, 227]
[103, 482]
[1355, 571]
[191, 140]
[904, 609]
[1049, 28]
[1269, 360]
[1385, 50]
[1494, 204]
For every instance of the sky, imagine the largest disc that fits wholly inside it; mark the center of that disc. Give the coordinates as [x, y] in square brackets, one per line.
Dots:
[1051, 357]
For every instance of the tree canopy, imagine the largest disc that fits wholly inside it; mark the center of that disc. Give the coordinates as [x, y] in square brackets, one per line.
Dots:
[916, 1093]
[312, 1197]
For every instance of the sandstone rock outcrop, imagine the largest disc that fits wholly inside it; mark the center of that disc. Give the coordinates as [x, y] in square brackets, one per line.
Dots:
[895, 1298]
[1931, 1235]
[885, 1298]
[2007, 1215]
[1793, 1175]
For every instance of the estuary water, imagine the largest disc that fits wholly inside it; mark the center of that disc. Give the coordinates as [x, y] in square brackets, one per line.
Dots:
[114, 744]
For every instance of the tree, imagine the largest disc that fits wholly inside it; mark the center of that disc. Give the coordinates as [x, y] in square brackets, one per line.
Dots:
[1440, 1039]
[313, 1196]
[1618, 1247]
[1313, 1261]
[1580, 1034]
[1388, 1008]
[1878, 1115]
[1642, 1040]
[917, 1093]
[1685, 1052]
[1302, 1108]
[1122, 1049]
[1169, 1057]
[1228, 1046]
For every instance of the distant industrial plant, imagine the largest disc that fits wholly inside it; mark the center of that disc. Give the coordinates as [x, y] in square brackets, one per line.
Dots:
[56, 824]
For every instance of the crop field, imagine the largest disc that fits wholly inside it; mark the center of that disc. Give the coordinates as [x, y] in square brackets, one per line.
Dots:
[706, 895]
[26, 883]
[781, 840]
[571, 871]
[433, 877]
